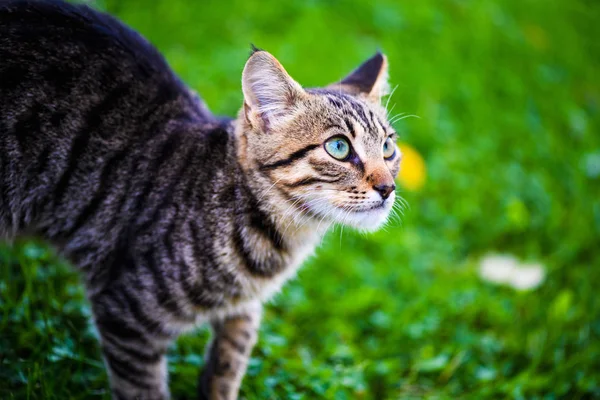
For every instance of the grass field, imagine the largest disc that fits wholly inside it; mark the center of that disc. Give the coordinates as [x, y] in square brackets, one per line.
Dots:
[508, 95]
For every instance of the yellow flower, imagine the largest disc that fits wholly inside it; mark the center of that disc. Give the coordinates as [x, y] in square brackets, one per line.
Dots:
[412, 168]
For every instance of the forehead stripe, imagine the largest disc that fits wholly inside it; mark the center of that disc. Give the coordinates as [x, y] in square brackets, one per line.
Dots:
[377, 121]
[351, 110]
[360, 112]
[350, 127]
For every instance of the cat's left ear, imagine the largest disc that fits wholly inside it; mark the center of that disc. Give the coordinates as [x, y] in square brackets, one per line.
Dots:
[270, 94]
[370, 79]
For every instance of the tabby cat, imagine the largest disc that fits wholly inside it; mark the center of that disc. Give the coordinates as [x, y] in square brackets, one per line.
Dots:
[173, 216]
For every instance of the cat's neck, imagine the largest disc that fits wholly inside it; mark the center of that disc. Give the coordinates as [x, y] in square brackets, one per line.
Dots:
[295, 224]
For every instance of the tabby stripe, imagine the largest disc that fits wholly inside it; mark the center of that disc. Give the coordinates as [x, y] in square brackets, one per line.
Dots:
[372, 119]
[79, 145]
[193, 290]
[201, 245]
[360, 112]
[128, 177]
[262, 222]
[295, 156]
[377, 123]
[163, 95]
[158, 281]
[238, 242]
[127, 370]
[153, 326]
[220, 282]
[239, 347]
[168, 238]
[350, 127]
[204, 254]
[265, 269]
[111, 319]
[163, 295]
[356, 112]
[309, 181]
[167, 193]
[101, 193]
[43, 159]
[335, 102]
[113, 340]
[190, 192]
[166, 150]
[120, 329]
[197, 296]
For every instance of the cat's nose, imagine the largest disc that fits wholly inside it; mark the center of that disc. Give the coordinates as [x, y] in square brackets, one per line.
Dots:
[384, 190]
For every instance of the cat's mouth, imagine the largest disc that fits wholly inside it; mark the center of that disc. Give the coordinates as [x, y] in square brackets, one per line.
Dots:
[379, 206]
[366, 217]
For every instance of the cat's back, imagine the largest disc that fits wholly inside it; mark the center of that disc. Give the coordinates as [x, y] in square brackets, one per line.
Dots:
[42, 35]
[86, 106]
[56, 56]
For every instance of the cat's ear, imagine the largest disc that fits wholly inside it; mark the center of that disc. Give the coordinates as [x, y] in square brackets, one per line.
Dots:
[370, 79]
[269, 92]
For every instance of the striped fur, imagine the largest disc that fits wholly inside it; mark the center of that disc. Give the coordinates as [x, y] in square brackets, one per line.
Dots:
[175, 217]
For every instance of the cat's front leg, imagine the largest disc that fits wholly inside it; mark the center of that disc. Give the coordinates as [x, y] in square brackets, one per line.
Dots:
[228, 354]
[134, 345]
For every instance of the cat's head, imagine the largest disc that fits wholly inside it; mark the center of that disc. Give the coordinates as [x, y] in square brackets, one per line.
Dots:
[330, 152]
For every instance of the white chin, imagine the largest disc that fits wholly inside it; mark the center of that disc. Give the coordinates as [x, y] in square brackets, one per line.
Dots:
[369, 221]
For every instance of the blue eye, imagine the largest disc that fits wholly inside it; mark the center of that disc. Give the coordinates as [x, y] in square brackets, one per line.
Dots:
[388, 148]
[338, 148]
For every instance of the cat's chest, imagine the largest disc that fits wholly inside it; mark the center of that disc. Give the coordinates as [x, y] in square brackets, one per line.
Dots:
[227, 274]
[263, 288]
[265, 262]
[255, 288]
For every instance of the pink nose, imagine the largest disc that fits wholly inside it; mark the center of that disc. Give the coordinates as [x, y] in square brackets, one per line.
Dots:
[384, 190]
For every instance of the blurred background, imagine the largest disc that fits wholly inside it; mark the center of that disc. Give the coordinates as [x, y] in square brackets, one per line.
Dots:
[487, 287]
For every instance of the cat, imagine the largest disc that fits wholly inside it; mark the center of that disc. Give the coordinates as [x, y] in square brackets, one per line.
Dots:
[173, 216]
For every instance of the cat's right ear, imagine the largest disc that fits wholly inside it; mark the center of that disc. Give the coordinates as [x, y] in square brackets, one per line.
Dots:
[269, 92]
[369, 80]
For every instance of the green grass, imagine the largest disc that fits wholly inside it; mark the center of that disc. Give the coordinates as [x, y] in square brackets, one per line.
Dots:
[508, 93]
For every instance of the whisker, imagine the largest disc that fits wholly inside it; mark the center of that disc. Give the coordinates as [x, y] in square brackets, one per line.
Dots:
[401, 117]
[389, 97]
[268, 190]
